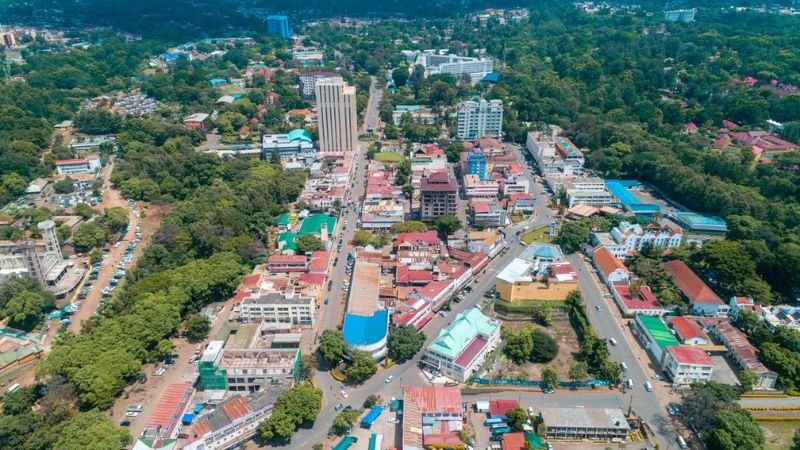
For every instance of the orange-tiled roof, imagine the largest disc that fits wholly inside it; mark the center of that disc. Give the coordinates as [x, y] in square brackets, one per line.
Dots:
[513, 441]
[606, 262]
[690, 284]
[433, 399]
[236, 408]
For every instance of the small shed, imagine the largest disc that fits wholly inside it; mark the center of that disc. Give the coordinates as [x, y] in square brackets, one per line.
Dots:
[482, 407]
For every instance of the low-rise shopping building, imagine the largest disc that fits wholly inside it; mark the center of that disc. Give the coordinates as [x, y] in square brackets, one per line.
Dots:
[584, 423]
[633, 303]
[279, 310]
[461, 348]
[654, 335]
[687, 365]
[432, 417]
[743, 352]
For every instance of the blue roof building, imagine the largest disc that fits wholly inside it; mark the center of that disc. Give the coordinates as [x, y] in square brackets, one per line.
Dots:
[476, 163]
[279, 26]
[217, 82]
[367, 333]
[619, 189]
[700, 222]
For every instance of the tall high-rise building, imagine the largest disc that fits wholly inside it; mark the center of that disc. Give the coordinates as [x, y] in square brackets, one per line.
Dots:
[438, 196]
[308, 82]
[279, 26]
[479, 118]
[338, 120]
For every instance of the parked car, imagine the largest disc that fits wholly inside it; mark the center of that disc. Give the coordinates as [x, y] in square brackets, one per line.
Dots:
[389, 379]
[343, 393]
[338, 407]
[131, 414]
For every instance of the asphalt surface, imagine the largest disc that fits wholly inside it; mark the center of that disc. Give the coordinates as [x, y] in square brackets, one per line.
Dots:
[407, 373]
[607, 324]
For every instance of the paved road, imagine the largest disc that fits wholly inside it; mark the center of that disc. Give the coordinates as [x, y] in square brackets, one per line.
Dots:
[407, 373]
[607, 324]
[770, 402]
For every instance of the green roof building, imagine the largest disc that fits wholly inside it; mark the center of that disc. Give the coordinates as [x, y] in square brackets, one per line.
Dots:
[286, 242]
[654, 335]
[314, 223]
[460, 349]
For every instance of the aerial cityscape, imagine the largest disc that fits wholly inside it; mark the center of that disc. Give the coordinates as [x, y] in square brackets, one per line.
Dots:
[411, 225]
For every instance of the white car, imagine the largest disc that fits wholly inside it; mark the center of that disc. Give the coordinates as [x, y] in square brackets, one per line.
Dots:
[343, 393]
[389, 379]
[131, 414]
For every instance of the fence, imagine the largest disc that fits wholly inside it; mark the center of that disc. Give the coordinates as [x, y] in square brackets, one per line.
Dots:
[539, 383]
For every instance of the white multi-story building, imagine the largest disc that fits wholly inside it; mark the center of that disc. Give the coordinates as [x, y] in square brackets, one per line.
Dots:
[418, 113]
[297, 144]
[687, 365]
[478, 118]
[555, 154]
[587, 191]
[308, 82]
[435, 63]
[250, 370]
[475, 188]
[278, 310]
[338, 121]
[628, 238]
[89, 164]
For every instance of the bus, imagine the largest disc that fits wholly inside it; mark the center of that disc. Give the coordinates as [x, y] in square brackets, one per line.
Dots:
[496, 426]
[502, 430]
[490, 422]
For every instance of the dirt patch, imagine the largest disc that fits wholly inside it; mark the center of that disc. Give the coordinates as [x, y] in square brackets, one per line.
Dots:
[567, 340]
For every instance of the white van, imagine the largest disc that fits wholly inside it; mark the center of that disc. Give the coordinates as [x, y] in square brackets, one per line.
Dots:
[682, 442]
[630, 383]
[613, 341]
[13, 388]
[648, 387]
[623, 366]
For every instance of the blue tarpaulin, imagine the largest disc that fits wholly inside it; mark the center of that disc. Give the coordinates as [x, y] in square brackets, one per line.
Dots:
[187, 418]
[371, 416]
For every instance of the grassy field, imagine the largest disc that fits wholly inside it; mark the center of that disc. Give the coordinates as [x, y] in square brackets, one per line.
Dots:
[779, 435]
[231, 89]
[389, 157]
[538, 235]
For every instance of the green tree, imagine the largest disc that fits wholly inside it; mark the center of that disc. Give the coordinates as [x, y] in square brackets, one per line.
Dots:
[95, 256]
[24, 310]
[748, 379]
[400, 76]
[91, 431]
[65, 186]
[308, 243]
[331, 346]
[294, 407]
[89, 235]
[344, 420]
[362, 366]
[454, 151]
[275, 158]
[370, 401]
[306, 367]
[516, 418]
[518, 344]
[116, 219]
[735, 430]
[197, 327]
[164, 348]
[409, 226]
[362, 238]
[545, 348]
[545, 315]
[447, 224]
[550, 377]
[404, 342]
[578, 371]
[84, 210]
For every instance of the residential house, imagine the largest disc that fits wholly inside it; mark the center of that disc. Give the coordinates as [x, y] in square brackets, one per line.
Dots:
[702, 300]
[610, 269]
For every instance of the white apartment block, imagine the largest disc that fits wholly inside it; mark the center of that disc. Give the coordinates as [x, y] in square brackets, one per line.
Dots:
[278, 310]
[308, 82]
[338, 121]
[479, 118]
[457, 66]
[553, 154]
[250, 370]
[89, 164]
[587, 191]
[628, 238]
